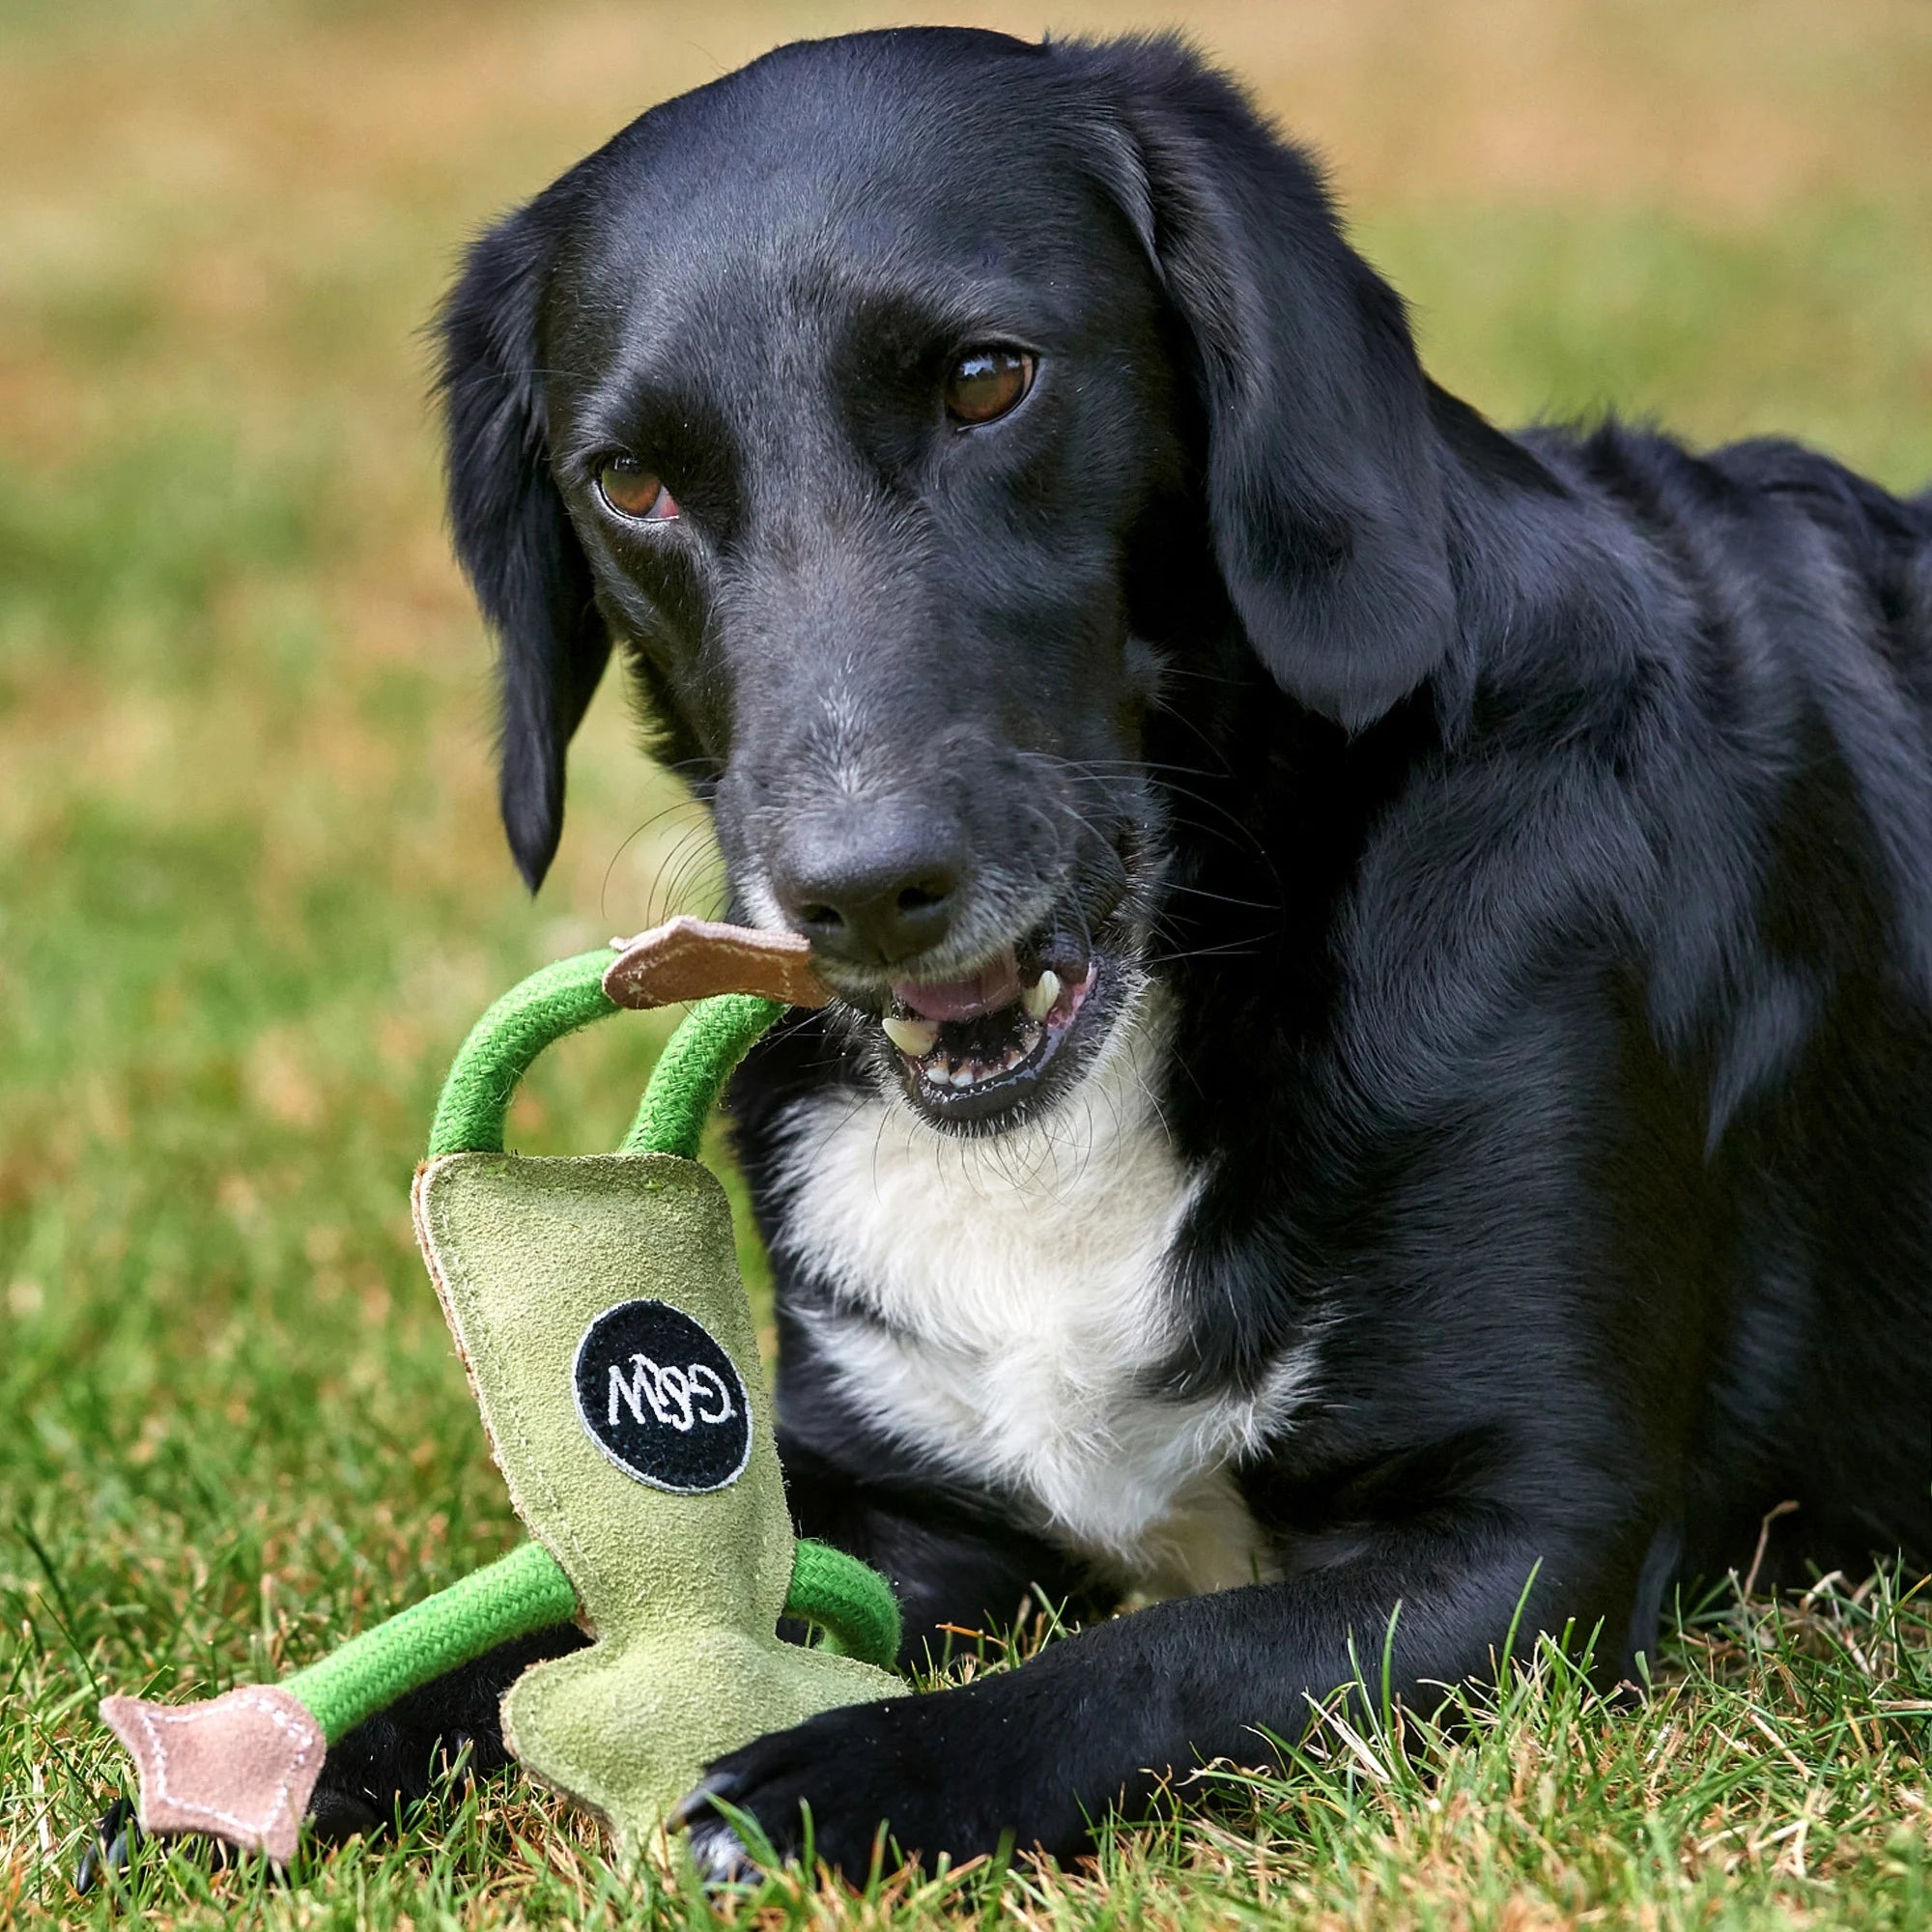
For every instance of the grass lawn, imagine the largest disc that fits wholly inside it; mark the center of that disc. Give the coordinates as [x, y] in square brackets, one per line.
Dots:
[252, 890]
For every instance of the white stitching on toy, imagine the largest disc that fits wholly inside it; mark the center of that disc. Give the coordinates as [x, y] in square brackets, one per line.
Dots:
[672, 1392]
[704, 1372]
[673, 1395]
[667, 1390]
[250, 1701]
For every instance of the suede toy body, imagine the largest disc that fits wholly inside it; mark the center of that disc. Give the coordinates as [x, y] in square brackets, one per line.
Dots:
[682, 1589]
[597, 1306]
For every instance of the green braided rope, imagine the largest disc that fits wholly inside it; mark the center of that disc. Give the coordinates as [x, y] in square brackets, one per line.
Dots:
[848, 1600]
[692, 1071]
[520, 1593]
[684, 1087]
[505, 1040]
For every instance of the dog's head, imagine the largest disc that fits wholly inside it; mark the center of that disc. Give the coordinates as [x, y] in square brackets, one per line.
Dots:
[908, 408]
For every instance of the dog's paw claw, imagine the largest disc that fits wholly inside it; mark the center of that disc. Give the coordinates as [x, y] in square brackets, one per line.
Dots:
[335, 1817]
[695, 1804]
[719, 1854]
[110, 1847]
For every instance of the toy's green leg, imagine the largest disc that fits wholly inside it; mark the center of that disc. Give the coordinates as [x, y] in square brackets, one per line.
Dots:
[520, 1593]
[242, 1766]
[847, 1600]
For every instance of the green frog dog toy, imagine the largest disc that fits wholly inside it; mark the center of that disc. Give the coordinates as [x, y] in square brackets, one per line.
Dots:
[597, 1306]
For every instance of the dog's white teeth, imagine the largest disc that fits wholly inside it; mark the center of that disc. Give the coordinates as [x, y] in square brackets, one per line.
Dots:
[1038, 998]
[919, 1040]
[914, 1037]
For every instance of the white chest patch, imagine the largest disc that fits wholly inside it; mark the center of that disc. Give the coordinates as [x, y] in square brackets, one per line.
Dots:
[1020, 1300]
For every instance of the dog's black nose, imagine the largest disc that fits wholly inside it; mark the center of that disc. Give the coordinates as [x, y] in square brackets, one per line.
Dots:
[874, 894]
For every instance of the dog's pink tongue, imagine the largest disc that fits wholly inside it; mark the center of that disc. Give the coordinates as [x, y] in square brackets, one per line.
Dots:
[988, 990]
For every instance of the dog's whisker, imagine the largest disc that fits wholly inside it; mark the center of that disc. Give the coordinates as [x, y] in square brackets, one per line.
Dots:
[630, 839]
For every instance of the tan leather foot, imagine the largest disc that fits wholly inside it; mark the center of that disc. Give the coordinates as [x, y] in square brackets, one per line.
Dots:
[239, 1767]
[687, 958]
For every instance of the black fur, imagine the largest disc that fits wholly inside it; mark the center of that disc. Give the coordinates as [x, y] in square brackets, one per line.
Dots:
[510, 526]
[1535, 835]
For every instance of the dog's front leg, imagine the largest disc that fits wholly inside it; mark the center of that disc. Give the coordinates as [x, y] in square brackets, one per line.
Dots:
[1090, 1725]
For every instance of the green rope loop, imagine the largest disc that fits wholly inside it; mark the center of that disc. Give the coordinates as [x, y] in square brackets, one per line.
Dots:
[692, 1068]
[684, 1086]
[848, 1600]
[501, 1045]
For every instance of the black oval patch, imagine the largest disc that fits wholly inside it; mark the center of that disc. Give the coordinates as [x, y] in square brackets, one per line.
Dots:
[662, 1399]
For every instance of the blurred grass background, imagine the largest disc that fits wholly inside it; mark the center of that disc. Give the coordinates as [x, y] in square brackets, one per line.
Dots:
[252, 889]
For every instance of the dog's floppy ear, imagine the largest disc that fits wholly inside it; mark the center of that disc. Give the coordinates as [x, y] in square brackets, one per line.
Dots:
[513, 535]
[1324, 493]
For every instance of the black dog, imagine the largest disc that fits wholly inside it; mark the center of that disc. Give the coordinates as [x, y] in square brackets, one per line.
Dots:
[1386, 1052]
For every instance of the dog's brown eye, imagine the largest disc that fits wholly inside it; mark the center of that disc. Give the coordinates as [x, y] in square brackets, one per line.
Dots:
[632, 491]
[986, 382]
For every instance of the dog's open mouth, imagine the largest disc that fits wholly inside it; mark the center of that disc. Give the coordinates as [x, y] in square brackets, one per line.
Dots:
[974, 1048]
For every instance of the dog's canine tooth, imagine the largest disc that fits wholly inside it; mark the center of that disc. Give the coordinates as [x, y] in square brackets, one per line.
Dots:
[913, 1038]
[1038, 998]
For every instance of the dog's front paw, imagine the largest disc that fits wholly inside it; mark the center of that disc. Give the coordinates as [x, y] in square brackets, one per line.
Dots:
[852, 1770]
[910, 1777]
